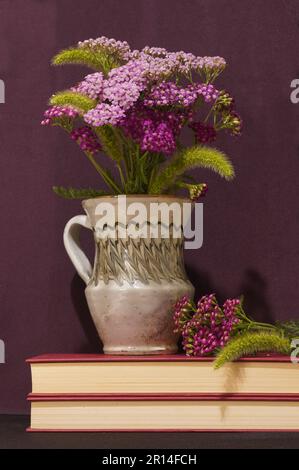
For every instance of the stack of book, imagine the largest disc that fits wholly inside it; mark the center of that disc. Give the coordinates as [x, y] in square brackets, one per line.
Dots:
[165, 393]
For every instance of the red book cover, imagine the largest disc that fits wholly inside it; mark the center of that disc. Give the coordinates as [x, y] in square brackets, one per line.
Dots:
[286, 397]
[158, 358]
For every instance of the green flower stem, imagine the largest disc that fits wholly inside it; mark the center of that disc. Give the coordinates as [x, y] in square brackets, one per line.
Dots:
[108, 180]
[255, 326]
[118, 137]
[209, 114]
[133, 153]
[189, 77]
[128, 160]
[136, 168]
[248, 323]
[157, 159]
[123, 142]
[132, 168]
[266, 326]
[122, 178]
[152, 175]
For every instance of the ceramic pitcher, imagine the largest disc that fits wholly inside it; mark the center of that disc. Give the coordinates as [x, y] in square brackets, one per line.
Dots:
[135, 280]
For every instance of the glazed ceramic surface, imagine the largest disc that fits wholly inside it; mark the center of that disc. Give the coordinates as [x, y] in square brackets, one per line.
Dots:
[134, 281]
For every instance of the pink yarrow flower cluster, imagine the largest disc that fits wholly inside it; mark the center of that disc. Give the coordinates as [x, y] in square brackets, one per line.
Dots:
[204, 133]
[92, 85]
[168, 94]
[151, 95]
[154, 129]
[205, 327]
[181, 62]
[120, 91]
[58, 112]
[112, 46]
[157, 137]
[104, 114]
[125, 84]
[86, 139]
[133, 83]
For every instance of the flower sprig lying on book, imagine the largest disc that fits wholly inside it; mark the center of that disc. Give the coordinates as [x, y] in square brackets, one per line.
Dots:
[207, 328]
[134, 107]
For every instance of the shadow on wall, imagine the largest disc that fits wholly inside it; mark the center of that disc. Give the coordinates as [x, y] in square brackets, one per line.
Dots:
[253, 287]
[93, 343]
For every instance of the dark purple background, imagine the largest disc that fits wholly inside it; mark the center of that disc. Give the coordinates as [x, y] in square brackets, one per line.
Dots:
[251, 226]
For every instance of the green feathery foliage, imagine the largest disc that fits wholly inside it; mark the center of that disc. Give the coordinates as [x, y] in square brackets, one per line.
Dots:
[252, 343]
[110, 141]
[71, 98]
[81, 193]
[186, 159]
[96, 60]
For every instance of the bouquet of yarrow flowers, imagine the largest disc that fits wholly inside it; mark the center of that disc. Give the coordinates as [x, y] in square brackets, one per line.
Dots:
[134, 108]
[228, 332]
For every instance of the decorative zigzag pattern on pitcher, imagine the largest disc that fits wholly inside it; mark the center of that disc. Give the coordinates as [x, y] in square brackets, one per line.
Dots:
[142, 259]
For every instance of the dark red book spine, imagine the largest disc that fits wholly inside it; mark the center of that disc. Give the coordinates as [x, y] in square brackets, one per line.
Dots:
[286, 397]
[46, 358]
[162, 430]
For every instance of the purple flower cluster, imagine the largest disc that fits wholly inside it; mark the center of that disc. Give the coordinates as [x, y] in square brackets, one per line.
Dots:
[104, 113]
[123, 94]
[208, 92]
[183, 312]
[124, 84]
[157, 137]
[86, 139]
[120, 91]
[155, 130]
[154, 51]
[92, 85]
[158, 68]
[151, 95]
[204, 133]
[207, 326]
[177, 62]
[120, 48]
[208, 63]
[170, 94]
[172, 62]
[58, 112]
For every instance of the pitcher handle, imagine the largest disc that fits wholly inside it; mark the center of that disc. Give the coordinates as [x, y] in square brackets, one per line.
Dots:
[71, 240]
